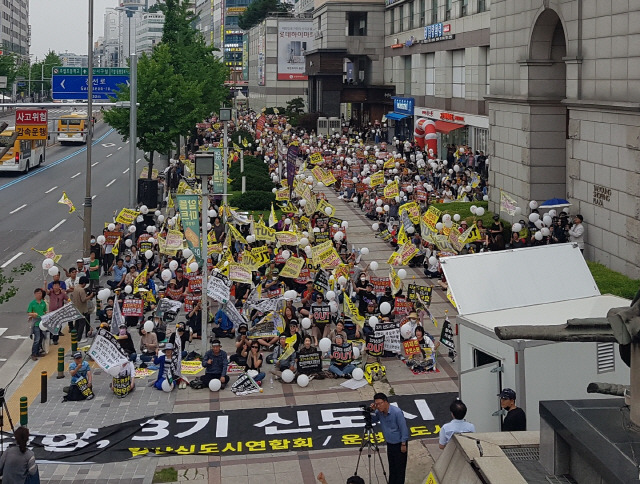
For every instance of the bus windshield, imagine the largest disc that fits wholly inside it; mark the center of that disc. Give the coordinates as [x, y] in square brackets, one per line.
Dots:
[72, 122]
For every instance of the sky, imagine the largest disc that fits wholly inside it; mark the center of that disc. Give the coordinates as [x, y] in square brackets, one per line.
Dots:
[61, 25]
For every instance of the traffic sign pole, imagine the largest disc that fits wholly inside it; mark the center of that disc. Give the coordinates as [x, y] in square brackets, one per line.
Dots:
[87, 198]
[133, 127]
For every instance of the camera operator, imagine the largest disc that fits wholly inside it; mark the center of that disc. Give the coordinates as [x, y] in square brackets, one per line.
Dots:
[396, 434]
[80, 298]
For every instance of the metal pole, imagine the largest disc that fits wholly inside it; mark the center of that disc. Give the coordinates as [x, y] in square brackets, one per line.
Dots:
[29, 86]
[244, 178]
[133, 127]
[204, 334]
[226, 155]
[87, 196]
[41, 81]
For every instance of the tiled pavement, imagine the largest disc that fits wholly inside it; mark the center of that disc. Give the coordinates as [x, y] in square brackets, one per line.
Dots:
[55, 416]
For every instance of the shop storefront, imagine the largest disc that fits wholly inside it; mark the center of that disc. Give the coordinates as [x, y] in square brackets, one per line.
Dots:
[458, 129]
[401, 119]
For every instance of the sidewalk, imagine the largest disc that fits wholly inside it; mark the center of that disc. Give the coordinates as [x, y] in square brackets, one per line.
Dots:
[55, 416]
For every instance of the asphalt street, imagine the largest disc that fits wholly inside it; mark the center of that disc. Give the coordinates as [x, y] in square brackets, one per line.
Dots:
[31, 217]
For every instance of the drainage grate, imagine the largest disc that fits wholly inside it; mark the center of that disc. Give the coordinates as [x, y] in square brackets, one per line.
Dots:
[563, 479]
[522, 453]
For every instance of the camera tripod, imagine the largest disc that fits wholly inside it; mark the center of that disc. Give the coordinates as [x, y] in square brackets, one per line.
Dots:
[4, 409]
[368, 441]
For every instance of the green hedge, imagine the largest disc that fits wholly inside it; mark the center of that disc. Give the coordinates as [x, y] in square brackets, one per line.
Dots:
[255, 170]
[612, 282]
[253, 200]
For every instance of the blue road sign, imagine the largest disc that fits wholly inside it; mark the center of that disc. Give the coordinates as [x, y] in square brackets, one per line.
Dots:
[77, 87]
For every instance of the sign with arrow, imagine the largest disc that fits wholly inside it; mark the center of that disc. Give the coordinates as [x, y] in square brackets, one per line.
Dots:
[77, 86]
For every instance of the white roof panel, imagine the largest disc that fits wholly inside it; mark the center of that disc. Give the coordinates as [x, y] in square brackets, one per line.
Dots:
[491, 281]
[551, 313]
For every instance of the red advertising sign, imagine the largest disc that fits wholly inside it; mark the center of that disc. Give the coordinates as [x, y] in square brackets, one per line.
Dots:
[31, 117]
[133, 307]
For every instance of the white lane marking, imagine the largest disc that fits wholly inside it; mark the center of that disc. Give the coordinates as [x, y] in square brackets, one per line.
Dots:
[94, 164]
[15, 337]
[92, 198]
[57, 225]
[110, 154]
[77, 174]
[11, 260]
[111, 183]
[138, 160]
[119, 148]
[108, 145]
[3, 331]
[19, 208]
[127, 142]
[125, 171]
[51, 189]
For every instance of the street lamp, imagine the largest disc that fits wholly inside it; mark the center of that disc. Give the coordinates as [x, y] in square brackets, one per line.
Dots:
[204, 167]
[86, 239]
[225, 117]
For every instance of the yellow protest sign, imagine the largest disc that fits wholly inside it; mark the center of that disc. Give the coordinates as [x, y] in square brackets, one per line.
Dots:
[318, 249]
[235, 233]
[396, 282]
[412, 209]
[287, 237]
[407, 252]
[322, 205]
[431, 217]
[239, 273]
[262, 232]
[174, 240]
[292, 267]
[49, 254]
[315, 158]
[127, 216]
[470, 235]
[214, 248]
[329, 258]
[392, 190]
[282, 194]
[140, 280]
[389, 164]
[351, 311]
[450, 298]
[394, 259]
[377, 179]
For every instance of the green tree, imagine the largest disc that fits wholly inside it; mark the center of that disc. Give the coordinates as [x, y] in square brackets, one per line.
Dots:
[295, 106]
[7, 293]
[43, 70]
[164, 97]
[258, 10]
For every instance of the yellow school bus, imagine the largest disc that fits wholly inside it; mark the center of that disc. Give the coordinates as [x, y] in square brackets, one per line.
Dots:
[20, 154]
[72, 128]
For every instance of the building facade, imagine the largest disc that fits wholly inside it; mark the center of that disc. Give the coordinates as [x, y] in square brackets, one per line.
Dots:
[437, 57]
[148, 32]
[275, 53]
[564, 113]
[15, 34]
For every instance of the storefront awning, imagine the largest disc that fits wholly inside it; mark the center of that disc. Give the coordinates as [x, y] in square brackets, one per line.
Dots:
[396, 116]
[446, 127]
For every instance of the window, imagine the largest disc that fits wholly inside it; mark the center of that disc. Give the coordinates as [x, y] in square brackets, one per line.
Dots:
[464, 7]
[606, 357]
[422, 22]
[487, 72]
[401, 18]
[458, 73]
[407, 75]
[357, 24]
[430, 75]
[482, 5]
[434, 11]
[392, 21]
[411, 19]
[447, 13]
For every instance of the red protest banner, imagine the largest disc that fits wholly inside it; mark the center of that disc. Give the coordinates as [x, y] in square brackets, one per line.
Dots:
[133, 307]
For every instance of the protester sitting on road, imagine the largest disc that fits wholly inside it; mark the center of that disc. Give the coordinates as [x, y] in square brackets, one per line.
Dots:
[280, 359]
[306, 349]
[185, 338]
[254, 362]
[222, 325]
[165, 369]
[148, 345]
[293, 331]
[126, 342]
[125, 382]
[458, 425]
[242, 346]
[36, 309]
[341, 369]
[215, 364]
[79, 371]
[118, 271]
[339, 330]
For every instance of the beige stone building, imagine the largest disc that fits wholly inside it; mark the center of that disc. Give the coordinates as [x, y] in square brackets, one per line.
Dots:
[564, 113]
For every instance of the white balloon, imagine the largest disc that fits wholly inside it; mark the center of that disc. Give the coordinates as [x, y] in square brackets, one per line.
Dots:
[306, 323]
[148, 254]
[144, 210]
[286, 254]
[111, 227]
[411, 230]
[173, 265]
[518, 210]
[128, 289]
[547, 220]
[187, 253]
[433, 260]
[287, 376]
[166, 386]
[303, 242]
[357, 374]
[379, 209]
[324, 345]
[139, 218]
[375, 226]
[386, 208]
[545, 232]
[533, 204]
[439, 226]
[328, 210]
[149, 326]
[251, 238]
[132, 229]
[402, 274]
[215, 385]
[160, 219]
[485, 198]
[53, 271]
[157, 213]
[373, 320]
[331, 295]
[342, 280]
[364, 251]
[103, 294]
[345, 224]
[538, 235]
[193, 267]
[47, 264]
[516, 227]
[128, 242]
[534, 217]
[316, 230]
[303, 380]
[480, 211]
[333, 305]
[100, 239]
[356, 352]
[211, 213]
[385, 308]
[253, 373]
[456, 217]
[373, 265]
[406, 331]
[473, 209]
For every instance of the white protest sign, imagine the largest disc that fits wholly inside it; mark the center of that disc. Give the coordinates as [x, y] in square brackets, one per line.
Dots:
[54, 320]
[391, 333]
[218, 288]
[107, 353]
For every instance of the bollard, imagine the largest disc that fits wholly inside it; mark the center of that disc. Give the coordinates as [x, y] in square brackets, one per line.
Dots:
[60, 363]
[43, 387]
[74, 341]
[24, 412]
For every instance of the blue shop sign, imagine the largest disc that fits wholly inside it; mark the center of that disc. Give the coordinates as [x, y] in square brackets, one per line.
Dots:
[403, 105]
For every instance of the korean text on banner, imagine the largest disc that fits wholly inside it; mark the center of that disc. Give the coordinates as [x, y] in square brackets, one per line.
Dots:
[127, 216]
[107, 353]
[189, 206]
[295, 38]
[292, 267]
[507, 203]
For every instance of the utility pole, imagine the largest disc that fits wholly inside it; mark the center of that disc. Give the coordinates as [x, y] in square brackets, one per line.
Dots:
[87, 196]
[133, 126]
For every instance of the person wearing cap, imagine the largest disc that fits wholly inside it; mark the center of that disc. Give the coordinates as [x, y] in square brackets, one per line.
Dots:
[457, 426]
[272, 284]
[321, 317]
[414, 322]
[242, 345]
[222, 325]
[515, 420]
[293, 330]
[215, 364]
[165, 367]
[78, 369]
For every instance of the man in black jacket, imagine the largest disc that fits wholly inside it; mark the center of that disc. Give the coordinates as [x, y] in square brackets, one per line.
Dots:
[515, 420]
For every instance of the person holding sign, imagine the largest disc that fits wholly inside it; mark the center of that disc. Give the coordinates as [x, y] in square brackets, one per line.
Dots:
[125, 382]
[81, 380]
[341, 356]
[321, 317]
[254, 362]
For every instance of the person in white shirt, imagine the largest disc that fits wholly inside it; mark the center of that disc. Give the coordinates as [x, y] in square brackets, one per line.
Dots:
[457, 426]
[576, 232]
